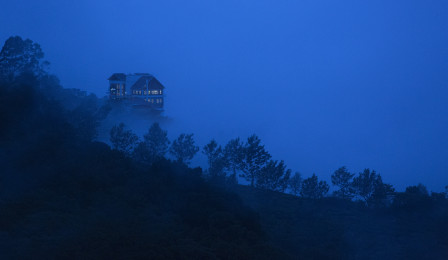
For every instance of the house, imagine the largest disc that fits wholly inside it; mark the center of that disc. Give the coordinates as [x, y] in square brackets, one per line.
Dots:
[141, 90]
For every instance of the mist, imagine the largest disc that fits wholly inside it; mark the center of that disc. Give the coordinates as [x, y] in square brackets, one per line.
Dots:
[224, 129]
[323, 84]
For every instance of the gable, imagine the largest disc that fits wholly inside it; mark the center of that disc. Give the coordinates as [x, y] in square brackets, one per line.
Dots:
[117, 77]
[140, 84]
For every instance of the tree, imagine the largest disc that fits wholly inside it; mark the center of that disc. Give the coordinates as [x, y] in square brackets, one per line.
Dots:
[183, 148]
[295, 183]
[419, 190]
[21, 56]
[414, 197]
[234, 154]
[313, 188]
[364, 184]
[274, 176]
[154, 145]
[343, 179]
[369, 186]
[255, 157]
[123, 140]
[216, 159]
[383, 193]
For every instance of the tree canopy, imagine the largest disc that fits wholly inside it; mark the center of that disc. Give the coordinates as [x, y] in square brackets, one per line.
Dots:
[215, 157]
[313, 188]
[295, 183]
[122, 139]
[343, 179]
[184, 148]
[21, 56]
[234, 154]
[255, 157]
[274, 176]
[154, 145]
[369, 186]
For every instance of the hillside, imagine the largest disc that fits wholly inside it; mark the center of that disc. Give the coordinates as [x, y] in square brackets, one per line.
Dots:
[331, 228]
[65, 195]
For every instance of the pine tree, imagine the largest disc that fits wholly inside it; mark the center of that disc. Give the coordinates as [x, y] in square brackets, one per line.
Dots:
[183, 148]
[343, 179]
[216, 159]
[274, 176]
[295, 183]
[255, 157]
[313, 188]
[123, 140]
[369, 187]
[234, 154]
[364, 185]
[154, 145]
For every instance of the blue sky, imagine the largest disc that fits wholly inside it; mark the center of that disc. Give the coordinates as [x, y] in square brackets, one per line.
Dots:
[323, 83]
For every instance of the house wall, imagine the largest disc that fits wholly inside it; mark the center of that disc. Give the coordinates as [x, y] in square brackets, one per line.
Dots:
[117, 89]
[138, 96]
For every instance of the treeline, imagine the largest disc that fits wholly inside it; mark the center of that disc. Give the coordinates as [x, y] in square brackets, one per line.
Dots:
[250, 160]
[21, 63]
[363, 218]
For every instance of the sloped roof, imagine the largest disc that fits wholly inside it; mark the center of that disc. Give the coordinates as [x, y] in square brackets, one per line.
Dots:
[118, 77]
[153, 83]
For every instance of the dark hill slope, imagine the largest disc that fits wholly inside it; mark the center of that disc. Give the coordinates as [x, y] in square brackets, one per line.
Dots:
[64, 196]
[337, 229]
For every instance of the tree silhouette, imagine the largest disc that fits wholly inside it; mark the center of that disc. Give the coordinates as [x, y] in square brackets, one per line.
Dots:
[414, 197]
[383, 193]
[234, 154]
[274, 176]
[343, 179]
[364, 184]
[295, 183]
[255, 157]
[21, 56]
[154, 145]
[123, 140]
[313, 188]
[215, 158]
[369, 186]
[183, 148]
